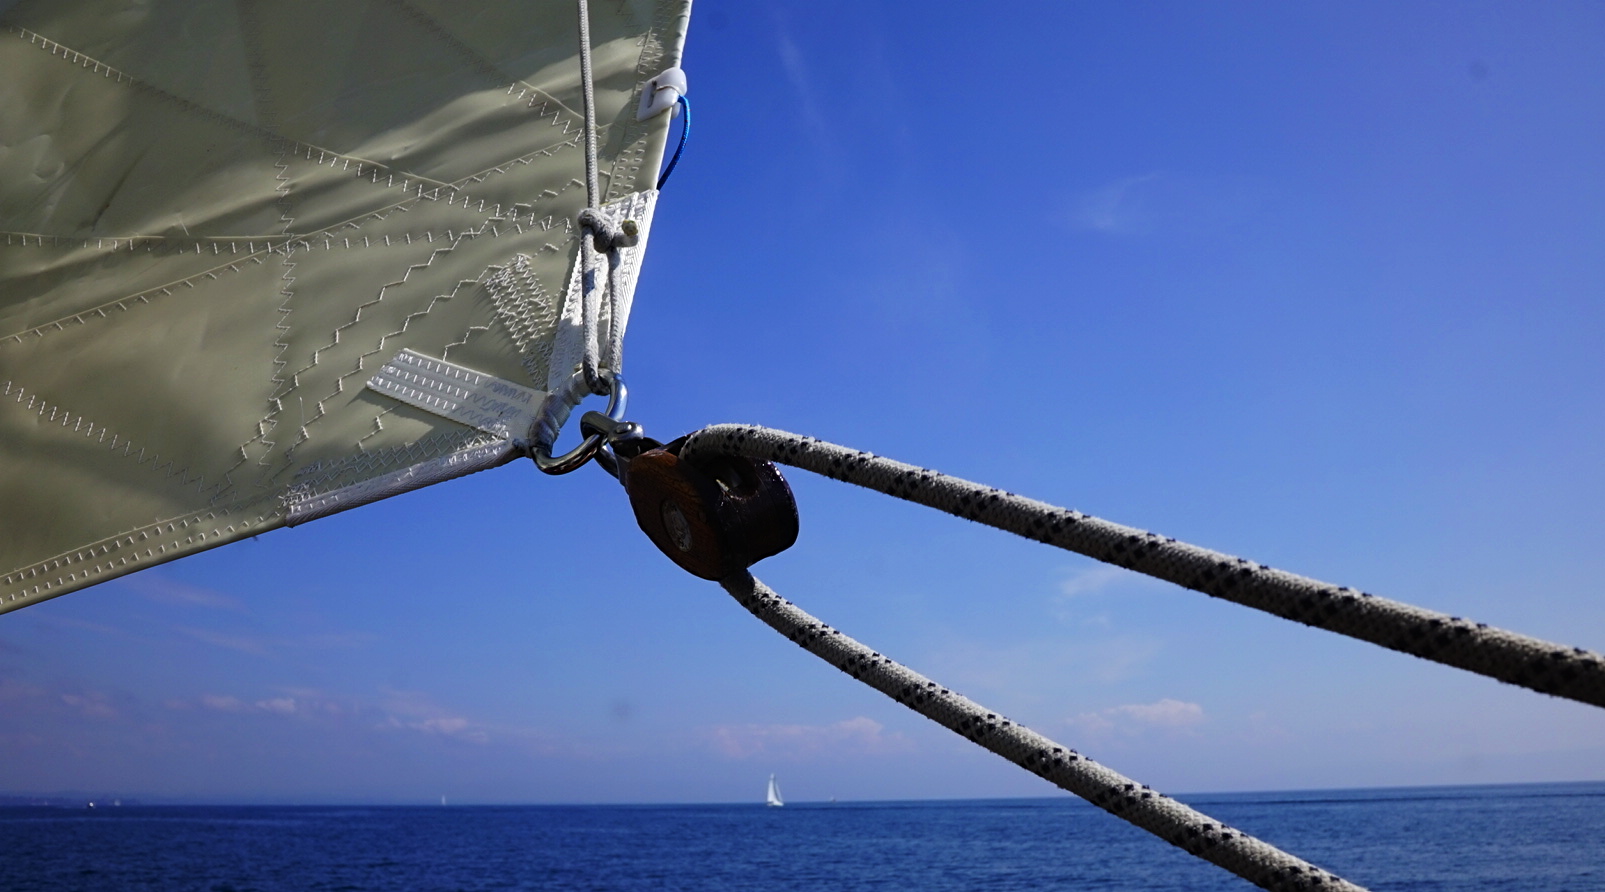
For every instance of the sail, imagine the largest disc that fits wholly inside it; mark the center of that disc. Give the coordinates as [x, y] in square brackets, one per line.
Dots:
[220, 221]
[774, 799]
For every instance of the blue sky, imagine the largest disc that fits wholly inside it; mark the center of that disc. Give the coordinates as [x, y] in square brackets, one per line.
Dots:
[1316, 284]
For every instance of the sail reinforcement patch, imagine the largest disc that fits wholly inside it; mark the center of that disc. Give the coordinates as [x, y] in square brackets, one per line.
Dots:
[493, 405]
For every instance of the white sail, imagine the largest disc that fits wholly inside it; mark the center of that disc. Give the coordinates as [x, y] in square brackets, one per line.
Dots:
[225, 221]
[774, 793]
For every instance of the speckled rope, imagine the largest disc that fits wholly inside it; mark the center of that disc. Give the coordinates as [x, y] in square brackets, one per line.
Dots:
[1196, 833]
[1572, 673]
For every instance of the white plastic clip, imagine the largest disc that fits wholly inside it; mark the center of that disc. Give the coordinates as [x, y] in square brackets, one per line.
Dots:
[660, 93]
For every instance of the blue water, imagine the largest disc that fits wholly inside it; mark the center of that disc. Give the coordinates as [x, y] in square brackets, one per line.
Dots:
[1513, 839]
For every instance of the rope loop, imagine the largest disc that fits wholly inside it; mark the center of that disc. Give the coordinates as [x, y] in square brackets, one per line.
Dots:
[608, 234]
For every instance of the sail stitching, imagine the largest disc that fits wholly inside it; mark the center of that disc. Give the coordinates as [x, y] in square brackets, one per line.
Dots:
[326, 476]
[115, 75]
[339, 385]
[527, 311]
[486, 68]
[150, 537]
[292, 382]
[268, 247]
[64, 418]
[266, 109]
[627, 163]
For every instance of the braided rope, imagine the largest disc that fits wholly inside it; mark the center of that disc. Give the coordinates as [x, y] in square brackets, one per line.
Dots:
[597, 226]
[1543, 666]
[1196, 833]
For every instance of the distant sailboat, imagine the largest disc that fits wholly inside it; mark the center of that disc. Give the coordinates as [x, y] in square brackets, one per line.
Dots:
[774, 793]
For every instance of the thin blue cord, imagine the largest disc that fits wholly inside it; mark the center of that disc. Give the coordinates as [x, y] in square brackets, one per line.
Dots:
[685, 133]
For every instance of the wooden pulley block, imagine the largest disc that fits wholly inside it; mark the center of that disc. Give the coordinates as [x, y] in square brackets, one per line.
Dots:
[714, 518]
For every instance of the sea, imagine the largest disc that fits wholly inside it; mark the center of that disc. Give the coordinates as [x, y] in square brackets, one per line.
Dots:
[1526, 838]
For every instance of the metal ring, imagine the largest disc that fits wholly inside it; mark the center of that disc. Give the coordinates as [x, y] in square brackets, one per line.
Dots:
[577, 457]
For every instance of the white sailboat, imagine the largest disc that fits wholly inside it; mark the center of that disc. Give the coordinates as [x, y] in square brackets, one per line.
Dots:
[774, 800]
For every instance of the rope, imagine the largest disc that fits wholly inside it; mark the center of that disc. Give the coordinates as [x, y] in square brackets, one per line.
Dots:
[602, 235]
[1543, 666]
[1254, 860]
[685, 136]
[592, 188]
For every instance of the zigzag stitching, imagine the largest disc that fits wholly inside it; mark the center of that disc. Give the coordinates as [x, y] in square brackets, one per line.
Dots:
[269, 422]
[339, 384]
[507, 288]
[378, 428]
[301, 242]
[445, 352]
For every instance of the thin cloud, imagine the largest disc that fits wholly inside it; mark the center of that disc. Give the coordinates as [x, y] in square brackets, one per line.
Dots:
[169, 591]
[278, 706]
[397, 710]
[264, 646]
[804, 97]
[241, 643]
[855, 736]
[219, 703]
[94, 705]
[1071, 601]
[1093, 579]
[1175, 204]
[416, 711]
[1165, 715]
[12, 689]
[1120, 208]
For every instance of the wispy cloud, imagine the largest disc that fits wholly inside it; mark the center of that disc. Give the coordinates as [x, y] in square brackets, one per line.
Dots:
[416, 711]
[1170, 202]
[12, 689]
[300, 703]
[855, 736]
[241, 643]
[802, 91]
[1120, 208]
[1071, 602]
[260, 646]
[1166, 715]
[170, 591]
[1092, 579]
[94, 705]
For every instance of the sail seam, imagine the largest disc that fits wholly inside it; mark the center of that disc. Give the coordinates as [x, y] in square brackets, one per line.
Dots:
[150, 543]
[62, 417]
[118, 76]
[256, 253]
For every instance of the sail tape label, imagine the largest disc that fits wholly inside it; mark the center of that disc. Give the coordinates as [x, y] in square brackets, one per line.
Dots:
[493, 405]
